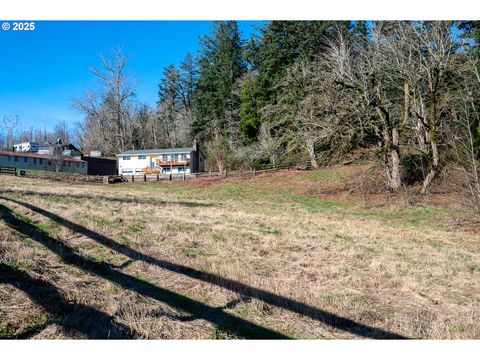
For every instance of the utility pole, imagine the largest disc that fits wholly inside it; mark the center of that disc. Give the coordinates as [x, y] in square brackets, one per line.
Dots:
[10, 122]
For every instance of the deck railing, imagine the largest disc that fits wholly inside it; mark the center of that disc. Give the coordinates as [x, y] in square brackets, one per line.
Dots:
[173, 162]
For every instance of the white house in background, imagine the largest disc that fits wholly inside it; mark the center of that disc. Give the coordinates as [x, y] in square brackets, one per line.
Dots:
[26, 147]
[163, 161]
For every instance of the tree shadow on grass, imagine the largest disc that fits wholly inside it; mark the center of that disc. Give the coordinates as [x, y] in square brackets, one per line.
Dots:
[125, 200]
[221, 319]
[85, 319]
[244, 290]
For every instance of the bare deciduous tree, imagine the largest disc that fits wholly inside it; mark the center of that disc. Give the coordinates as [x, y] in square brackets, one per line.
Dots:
[467, 132]
[268, 144]
[424, 53]
[109, 110]
[219, 153]
[56, 155]
[361, 69]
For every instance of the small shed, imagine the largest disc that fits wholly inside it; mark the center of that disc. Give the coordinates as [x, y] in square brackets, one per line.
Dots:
[100, 165]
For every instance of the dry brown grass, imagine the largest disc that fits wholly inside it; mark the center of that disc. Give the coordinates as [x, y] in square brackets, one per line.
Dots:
[307, 237]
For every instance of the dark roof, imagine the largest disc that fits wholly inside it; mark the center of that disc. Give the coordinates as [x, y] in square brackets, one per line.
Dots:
[35, 155]
[156, 151]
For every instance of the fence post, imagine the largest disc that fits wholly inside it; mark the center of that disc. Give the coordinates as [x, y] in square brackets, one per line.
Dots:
[183, 177]
[254, 171]
[210, 173]
[145, 177]
[170, 177]
[158, 176]
[226, 173]
[133, 178]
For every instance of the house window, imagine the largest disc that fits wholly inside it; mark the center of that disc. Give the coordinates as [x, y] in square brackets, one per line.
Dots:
[142, 157]
[69, 164]
[9, 158]
[15, 158]
[164, 157]
[25, 159]
[34, 160]
[49, 163]
[40, 161]
[125, 157]
[181, 169]
[77, 164]
[174, 156]
[83, 165]
[165, 170]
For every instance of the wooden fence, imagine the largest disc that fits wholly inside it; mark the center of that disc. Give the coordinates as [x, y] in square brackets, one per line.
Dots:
[246, 173]
[8, 170]
[303, 165]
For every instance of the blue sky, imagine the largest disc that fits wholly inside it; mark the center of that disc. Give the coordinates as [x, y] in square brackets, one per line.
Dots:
[42, 70]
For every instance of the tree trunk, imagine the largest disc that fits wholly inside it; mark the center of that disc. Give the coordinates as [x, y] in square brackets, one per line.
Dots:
[396, 180]
[390, 150]
[220, 167]
[433, 170]
[391, 166]
[432, 133]
[311, 153]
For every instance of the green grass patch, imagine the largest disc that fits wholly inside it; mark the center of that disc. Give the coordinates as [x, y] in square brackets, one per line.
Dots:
[460, 256]
[218, 238]
[344, 238]
[474, 268]
[62, 199]
[245, 310]
[24, 239]
[192, 252]
[135, 229]
[49, 226]
[176, 226]
[413, 215]
[405, 257]
[124, 240]
[369, 250]
[5, 331]
[103, 222]
[91, 258]
[219, 334]
[231, 191]
[268, 230]
[315, 205]
[20, 265]
[25, 219]
[457, 329]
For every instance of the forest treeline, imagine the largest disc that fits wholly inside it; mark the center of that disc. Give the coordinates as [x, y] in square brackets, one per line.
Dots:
[409, 91]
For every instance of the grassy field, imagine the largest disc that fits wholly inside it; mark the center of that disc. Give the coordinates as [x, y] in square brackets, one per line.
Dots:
[287, 255]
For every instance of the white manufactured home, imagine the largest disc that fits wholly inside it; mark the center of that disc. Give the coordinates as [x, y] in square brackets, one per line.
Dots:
[26, 147]
[162, 161]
